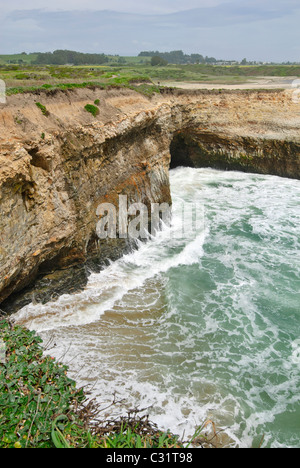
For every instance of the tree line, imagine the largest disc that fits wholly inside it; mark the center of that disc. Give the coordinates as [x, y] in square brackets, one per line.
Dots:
[63, 57]
[178, 57]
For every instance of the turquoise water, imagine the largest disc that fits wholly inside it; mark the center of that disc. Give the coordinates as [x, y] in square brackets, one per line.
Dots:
[204, 325]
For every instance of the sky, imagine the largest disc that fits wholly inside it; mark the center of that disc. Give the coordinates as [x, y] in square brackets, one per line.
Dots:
[262, 30]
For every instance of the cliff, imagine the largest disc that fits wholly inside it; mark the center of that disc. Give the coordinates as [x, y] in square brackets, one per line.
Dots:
[57, 166]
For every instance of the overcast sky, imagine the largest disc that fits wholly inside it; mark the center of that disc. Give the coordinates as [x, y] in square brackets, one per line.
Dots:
[266, 30]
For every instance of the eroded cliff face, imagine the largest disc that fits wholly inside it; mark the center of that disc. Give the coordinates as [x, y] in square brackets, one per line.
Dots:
[56, 170]
[197, 148]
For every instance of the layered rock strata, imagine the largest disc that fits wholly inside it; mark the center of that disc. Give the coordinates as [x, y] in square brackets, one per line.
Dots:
[56, 169]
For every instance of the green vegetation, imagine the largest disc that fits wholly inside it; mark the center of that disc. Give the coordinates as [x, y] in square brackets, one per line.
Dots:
[134, 438]
[40, 406]
[33, 390]
[140, 73]
[178, 57]
[92, 109]
[97, 102]
[19, 59]
[158, 61]
[142, 77]
[43, 109]
[18, 121]
[136, 82]
[144, 74]
[73, 58]
[62, 57]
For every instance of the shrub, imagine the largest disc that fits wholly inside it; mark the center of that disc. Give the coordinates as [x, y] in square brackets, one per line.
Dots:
[22, 76]
[97, 102]
[33, 389]
[92, 109]
[43, 109]
[40, 406]
[158, 61]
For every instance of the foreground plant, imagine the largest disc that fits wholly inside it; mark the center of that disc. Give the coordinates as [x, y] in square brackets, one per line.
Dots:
[33, 390]
[40, 407]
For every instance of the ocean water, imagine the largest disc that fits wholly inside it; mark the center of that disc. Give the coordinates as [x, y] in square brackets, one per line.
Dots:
[201, 324]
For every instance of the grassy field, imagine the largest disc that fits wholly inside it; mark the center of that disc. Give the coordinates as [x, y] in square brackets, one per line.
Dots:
[24, 76]
[27, 59]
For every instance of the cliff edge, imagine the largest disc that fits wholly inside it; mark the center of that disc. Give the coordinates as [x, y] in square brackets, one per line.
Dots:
[58, 162]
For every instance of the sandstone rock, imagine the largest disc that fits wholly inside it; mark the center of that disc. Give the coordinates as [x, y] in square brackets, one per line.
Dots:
[56, 170]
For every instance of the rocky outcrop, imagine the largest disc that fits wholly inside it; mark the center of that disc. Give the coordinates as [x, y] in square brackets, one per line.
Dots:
[56, 169]
[197, 148]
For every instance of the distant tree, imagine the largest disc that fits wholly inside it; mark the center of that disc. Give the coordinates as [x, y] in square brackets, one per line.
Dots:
[177, 57]
[197, 58]
[157, 61]
[210, 59]
[148, 54]
[63, 57]
[244, 61]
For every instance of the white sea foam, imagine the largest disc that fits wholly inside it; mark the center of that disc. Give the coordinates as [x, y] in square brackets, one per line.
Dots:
[106, 288]
[202, 326]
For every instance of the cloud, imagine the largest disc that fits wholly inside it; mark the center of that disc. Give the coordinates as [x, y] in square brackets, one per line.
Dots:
[236, 12]
[232, 12]
[224, 30]
[130, 6]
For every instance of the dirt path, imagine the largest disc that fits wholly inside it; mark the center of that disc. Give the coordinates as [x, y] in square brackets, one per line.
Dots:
[268, 82]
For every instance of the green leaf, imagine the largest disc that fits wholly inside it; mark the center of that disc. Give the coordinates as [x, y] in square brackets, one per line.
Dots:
[57, 437]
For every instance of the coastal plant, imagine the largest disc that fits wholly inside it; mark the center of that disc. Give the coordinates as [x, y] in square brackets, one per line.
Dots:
[128, 437]
[40, 406]
[92, 109]
[43, 109]
[33, 389]
[57, 436]
[18, 121]
[201, 439]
